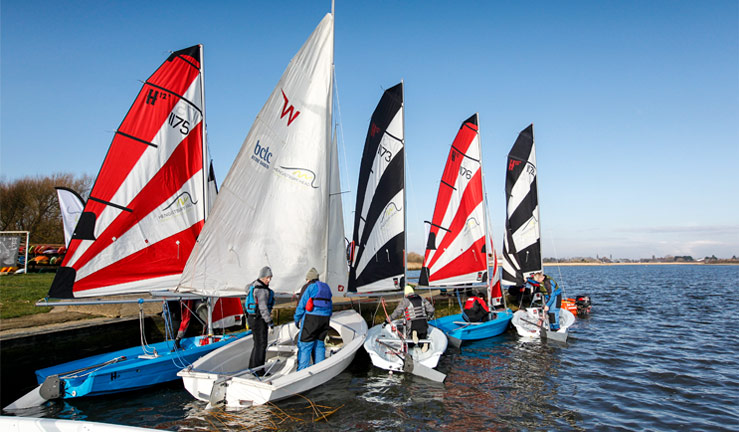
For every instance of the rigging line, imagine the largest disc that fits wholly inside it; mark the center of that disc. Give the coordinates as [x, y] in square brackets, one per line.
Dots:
[175, 94]
[343, 142]
[559, 268]
[409, 180]
[136, 139]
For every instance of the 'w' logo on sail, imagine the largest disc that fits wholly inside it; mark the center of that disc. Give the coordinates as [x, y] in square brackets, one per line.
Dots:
[292, 114]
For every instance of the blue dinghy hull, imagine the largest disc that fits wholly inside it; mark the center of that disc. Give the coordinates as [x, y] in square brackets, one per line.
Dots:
[458, 330]
[128, 369]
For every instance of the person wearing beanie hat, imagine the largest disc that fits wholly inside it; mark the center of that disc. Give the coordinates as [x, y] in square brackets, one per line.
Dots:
[312, 316]
[417, 311]
[260, 299]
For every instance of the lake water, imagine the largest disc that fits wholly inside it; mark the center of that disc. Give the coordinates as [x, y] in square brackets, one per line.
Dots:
[660, 352]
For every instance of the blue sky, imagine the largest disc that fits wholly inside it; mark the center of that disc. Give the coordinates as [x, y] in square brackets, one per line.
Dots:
[635, 105]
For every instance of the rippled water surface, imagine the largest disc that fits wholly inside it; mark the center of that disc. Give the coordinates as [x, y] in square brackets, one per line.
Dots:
[660, 352]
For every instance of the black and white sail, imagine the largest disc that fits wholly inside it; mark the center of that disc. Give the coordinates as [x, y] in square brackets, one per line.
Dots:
[377, 261]
[522, 241]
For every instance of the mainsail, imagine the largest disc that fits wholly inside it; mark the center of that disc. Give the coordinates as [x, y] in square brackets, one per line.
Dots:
[522, 244]
[273, 208]
[147, 205]
[71, 206]
[456, 247]
[378, 253]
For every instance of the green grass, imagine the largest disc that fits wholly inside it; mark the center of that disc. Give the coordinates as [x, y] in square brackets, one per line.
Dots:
[19, 293]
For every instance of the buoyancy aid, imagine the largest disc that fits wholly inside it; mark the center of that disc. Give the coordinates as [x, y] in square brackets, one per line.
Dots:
[415, 311]
[321, 299]
[470, 303]
[551, 287]
[251, 305]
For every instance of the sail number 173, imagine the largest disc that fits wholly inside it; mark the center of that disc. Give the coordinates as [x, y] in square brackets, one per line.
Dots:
[178, 122]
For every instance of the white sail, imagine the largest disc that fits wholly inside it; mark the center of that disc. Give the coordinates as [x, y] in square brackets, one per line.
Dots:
[71, 206]
[273, 205]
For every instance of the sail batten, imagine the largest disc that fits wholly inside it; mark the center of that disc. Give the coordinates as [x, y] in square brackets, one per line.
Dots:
[378, 263]
[522, 241]
[147, 203]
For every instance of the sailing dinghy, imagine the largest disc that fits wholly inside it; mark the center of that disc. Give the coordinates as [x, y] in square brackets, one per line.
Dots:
[522, 241]
[137, 229]
[458, 240]
[280, 205]
[377, 251]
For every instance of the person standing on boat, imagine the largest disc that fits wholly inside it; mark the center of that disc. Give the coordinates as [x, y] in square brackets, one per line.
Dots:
[417, 311]
[312, 316]
[554, 300]
[260, 300]
[476, 309]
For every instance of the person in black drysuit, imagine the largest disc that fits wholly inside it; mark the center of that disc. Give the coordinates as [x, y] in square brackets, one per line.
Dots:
[475, 309]
[260, 300]
[417, 311]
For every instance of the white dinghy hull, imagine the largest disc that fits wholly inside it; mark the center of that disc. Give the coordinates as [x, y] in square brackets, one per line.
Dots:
[525, 321]
[382, 341]
[222, 377]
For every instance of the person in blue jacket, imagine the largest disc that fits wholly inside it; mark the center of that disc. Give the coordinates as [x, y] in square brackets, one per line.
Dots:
[554, 301]
[553, 295]
[312, 317]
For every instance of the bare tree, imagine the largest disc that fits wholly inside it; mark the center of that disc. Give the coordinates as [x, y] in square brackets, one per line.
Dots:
[30, 204]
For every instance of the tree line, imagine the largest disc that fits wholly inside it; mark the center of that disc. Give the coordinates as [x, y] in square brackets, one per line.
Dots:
[30, 204]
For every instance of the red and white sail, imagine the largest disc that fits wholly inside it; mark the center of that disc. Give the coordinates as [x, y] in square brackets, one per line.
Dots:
[274, 206]
[456, 251]
[148, 203]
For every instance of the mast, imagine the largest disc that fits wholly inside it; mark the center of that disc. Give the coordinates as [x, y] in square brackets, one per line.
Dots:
[206, 155]
[206, 177]
[536, 191]
[488, 240]
[405, 200]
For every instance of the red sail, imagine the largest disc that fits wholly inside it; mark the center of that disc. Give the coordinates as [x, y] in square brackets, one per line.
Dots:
[455, 251]
[148, 203]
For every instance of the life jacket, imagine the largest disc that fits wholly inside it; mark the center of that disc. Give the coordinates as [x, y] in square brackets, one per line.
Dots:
[470, 303]
[553, 289]
[321, 299]
[415, 311]
[251, 303]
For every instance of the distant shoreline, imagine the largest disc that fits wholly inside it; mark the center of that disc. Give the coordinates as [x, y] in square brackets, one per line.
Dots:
[417, 266]
[634, 263]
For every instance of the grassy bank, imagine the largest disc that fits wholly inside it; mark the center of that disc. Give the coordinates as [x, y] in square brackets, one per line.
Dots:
[19, 293]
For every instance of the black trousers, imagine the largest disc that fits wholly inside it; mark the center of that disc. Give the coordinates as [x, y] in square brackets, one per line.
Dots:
[259, 331]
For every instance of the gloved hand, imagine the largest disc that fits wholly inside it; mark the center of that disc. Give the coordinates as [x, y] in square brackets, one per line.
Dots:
[297, 324]
[271, 325]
